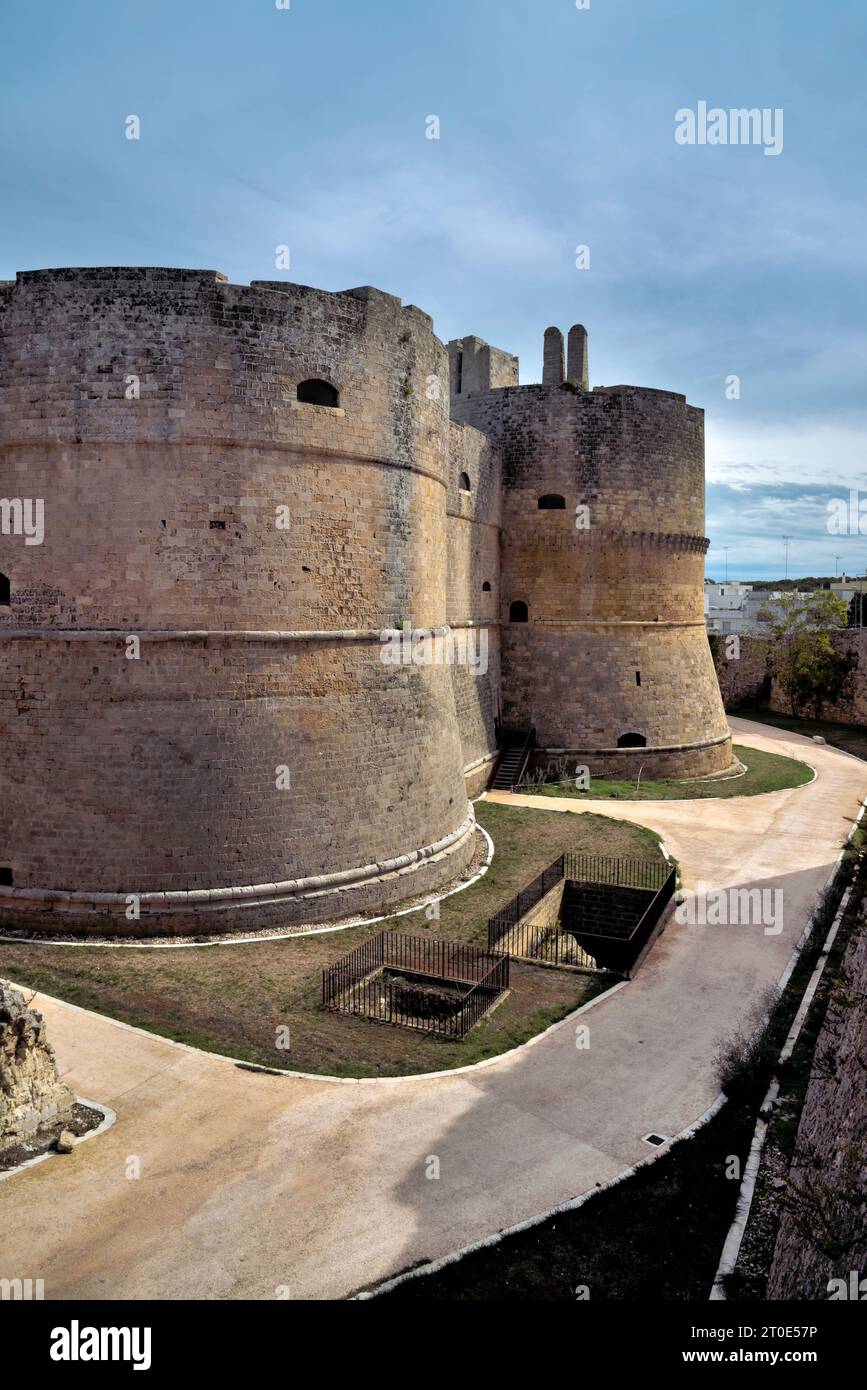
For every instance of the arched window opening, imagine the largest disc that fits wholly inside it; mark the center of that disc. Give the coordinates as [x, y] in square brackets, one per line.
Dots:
[315, 392]
[486, 588]
[5, 591]
[518, 611]
[465, 483]
[552, 502]
[632, 741]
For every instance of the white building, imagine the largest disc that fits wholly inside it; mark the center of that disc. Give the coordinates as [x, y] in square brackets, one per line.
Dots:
[735, 607]
[724, 605]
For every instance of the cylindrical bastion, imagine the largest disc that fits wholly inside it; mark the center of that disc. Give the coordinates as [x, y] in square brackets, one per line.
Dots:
[243, 487]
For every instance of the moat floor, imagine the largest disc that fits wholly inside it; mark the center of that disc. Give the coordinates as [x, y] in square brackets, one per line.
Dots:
[250, 1183]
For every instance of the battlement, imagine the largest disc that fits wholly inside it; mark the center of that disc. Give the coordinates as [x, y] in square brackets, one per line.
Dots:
[206, 361]
[110, 282]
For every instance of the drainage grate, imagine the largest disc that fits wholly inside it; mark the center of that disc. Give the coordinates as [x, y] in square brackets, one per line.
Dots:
[655, 1139]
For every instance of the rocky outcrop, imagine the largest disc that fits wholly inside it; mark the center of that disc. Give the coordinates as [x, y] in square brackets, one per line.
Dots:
[32, 1098]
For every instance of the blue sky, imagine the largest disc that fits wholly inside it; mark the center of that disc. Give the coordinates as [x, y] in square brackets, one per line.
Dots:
[306, 127]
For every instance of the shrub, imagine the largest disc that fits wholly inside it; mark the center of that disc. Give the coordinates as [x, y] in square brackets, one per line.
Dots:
[745, 1060]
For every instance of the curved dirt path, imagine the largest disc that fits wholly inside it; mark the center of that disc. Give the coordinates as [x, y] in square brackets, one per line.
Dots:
[251, 1183]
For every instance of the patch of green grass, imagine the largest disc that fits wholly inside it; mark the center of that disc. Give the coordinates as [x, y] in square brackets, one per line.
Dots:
[766, 772]
[235, 999]
[526, 841]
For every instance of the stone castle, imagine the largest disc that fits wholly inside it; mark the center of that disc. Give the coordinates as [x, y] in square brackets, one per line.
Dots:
[244, 491]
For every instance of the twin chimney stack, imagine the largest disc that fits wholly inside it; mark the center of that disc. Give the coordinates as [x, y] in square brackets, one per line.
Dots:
[557, 368]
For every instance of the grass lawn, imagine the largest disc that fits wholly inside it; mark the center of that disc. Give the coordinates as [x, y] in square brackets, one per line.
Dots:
[766, 772]
[852, 738]
[236, 999]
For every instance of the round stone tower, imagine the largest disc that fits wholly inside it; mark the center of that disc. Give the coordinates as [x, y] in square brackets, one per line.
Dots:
[240, 489]
[604, 646]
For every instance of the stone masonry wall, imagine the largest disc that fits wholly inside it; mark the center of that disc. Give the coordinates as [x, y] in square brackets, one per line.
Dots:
[823, 1235]
[200, 706]
[546, 913]
[472, 605]
[158, 773]
[744, 680]
[604, 909]
[615, 642]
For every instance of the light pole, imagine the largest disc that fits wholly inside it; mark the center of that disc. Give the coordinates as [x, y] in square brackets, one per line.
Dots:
[786, 540]
[726, 549]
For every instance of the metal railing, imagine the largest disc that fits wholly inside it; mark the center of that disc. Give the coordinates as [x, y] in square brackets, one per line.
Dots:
[619, 954]
[558, 943]
[528, 897]
[449, 985]
[627, 873]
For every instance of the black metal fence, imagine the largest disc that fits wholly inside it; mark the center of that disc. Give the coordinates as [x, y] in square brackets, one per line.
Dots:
[619, 953]
[441, 987]
[537, 941]
[628, 873]
[528, 897]
[608, 913]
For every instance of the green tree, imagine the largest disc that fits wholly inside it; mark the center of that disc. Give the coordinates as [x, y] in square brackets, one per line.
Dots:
[802, 657]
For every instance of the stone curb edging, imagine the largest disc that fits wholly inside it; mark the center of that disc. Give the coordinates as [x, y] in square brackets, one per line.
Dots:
[109, 1117]
[434, 1266]
[324, 1076]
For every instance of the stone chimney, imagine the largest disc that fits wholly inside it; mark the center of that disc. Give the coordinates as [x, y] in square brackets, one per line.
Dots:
[552, 368]
[578, 369]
